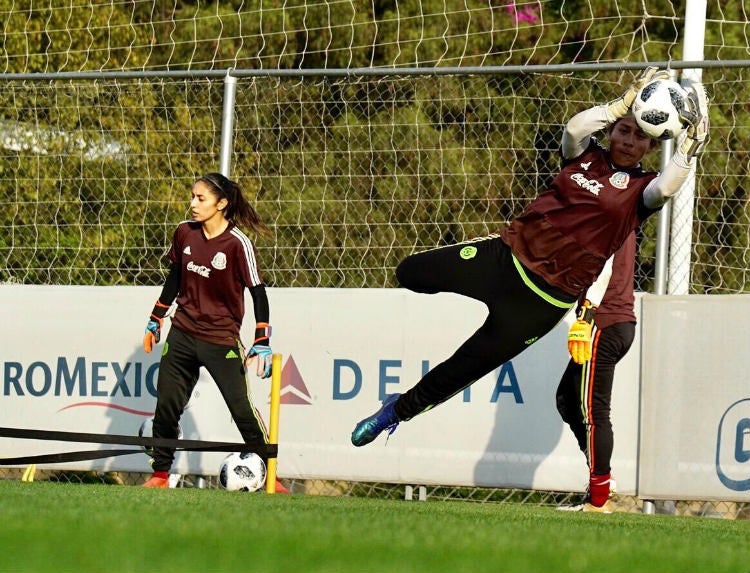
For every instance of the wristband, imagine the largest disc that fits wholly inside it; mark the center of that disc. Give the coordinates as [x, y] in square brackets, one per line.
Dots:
[262, 332]
[160, 310]
[587, 312]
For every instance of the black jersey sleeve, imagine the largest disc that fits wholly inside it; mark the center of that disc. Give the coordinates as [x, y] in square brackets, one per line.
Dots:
[260, 303]
[171, 285]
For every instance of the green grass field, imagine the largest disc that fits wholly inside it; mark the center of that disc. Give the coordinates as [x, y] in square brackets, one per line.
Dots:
[64, 527]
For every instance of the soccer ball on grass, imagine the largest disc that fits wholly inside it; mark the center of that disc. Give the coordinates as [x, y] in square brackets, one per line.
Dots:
[657, 108]
[242, 472]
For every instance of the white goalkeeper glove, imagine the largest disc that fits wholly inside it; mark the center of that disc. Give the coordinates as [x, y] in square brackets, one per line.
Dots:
[621, 106]
[696, 116]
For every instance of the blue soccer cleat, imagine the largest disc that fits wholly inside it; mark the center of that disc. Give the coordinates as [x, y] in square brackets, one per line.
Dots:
[371, 427]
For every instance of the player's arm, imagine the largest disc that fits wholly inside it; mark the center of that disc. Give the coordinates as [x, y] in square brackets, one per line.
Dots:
[259, 356]
[579, 334]
[595, 293]
[261, 310]
[163, 303]
[577, 133]
[261, 346]
[689, 147]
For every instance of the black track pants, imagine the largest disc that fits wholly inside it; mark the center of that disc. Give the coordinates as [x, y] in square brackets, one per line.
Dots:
[584, 395]
[522, 309]
[182, 357]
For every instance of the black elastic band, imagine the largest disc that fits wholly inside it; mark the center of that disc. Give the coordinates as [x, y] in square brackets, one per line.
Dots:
[261, 448]
[65, 457]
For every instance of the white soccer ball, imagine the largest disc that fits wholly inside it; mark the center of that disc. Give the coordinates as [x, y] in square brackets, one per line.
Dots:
[657, 109]
[242, 472]
[147, 431]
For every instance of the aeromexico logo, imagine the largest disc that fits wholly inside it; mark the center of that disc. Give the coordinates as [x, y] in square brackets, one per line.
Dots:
[79, 377]
[114, 382]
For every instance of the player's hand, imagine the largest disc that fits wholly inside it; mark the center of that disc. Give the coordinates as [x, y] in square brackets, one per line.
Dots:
[153, 328]
[621, 106]
[153, 333]
[696, 116]
[259, 359]
[579, 335]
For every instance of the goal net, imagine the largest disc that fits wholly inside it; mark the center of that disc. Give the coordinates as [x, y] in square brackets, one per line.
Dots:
[352, 170]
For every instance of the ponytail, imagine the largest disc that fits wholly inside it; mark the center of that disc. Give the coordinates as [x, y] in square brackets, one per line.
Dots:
[238, 210]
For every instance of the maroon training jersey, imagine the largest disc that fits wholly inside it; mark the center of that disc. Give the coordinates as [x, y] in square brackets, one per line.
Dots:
[213, 276]
[618, 301]
[568, 247]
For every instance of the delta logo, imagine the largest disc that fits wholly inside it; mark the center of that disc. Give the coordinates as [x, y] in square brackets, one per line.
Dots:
[293, 388]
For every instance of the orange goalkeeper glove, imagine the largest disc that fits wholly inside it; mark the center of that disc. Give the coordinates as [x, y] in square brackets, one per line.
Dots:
[579, 335]
[153, 328]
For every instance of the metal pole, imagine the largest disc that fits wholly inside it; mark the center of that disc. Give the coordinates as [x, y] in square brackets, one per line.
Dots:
[227, 124]
[662, 234]
[682, 203]
[662, 261]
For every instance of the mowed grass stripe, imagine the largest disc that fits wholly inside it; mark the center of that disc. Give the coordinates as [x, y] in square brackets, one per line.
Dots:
[69, 527]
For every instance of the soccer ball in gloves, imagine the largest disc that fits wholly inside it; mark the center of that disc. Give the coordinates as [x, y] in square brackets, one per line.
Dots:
[657, 108]
[242, 472]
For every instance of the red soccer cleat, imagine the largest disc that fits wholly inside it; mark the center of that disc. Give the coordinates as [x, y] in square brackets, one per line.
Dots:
[280, 488]
[157, 482]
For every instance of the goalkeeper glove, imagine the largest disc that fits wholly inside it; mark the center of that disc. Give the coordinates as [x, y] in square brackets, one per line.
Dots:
[579, 335]
[696, 116]
[153, 328]
[621, 106]
[260, 356]
[260, 353]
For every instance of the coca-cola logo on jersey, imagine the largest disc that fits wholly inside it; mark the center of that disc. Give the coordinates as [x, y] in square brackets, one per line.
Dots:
[591, 185]
[198, 269]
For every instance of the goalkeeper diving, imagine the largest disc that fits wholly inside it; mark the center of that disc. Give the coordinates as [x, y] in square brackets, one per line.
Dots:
[532, 273]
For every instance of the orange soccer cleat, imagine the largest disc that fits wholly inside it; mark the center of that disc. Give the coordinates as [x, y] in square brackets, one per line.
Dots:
[157, 481]
[280, 487]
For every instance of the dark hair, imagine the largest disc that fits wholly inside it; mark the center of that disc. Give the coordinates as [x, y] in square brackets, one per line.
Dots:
[238, 209]
[654, 142]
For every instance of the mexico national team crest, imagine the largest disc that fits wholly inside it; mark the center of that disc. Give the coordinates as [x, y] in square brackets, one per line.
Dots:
[219, 261]
[620, 180]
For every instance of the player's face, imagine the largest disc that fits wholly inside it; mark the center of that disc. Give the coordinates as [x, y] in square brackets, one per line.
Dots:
[205, 206]
[628, 144]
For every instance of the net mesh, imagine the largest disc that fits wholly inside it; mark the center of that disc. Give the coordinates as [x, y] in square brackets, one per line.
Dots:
[79, 35]
[352, 174]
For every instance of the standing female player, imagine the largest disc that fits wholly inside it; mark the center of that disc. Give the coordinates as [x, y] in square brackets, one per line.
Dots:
[212, 263]
[584, 395]
[531, 275]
